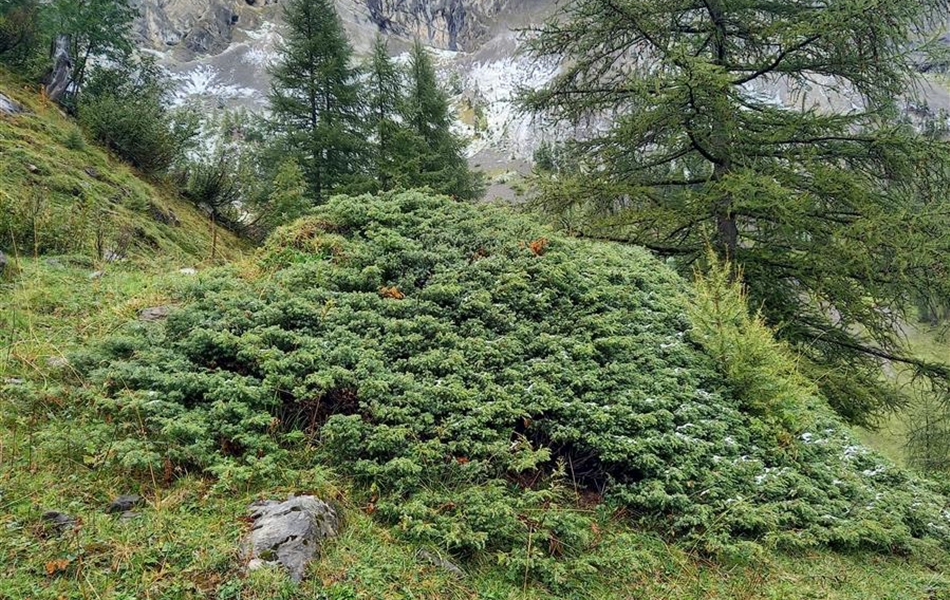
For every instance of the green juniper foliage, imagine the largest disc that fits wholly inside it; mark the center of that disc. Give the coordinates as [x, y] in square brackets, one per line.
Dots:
[473, 370]
[839, 219]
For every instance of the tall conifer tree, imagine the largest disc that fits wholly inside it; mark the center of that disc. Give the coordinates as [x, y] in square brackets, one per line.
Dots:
[393, 142]
[439, 161]
[839, 219]
[315, 100]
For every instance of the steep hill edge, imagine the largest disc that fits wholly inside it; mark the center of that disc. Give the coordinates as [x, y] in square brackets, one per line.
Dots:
[61, 194]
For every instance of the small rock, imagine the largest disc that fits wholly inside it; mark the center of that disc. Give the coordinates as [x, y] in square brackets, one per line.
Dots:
[188, 271]
[8, 106]
[124, 503]
[163, 215]
[110, 255]
[129, 515]
[32, 168]
[57, 362]
[288, 533]
[3, 261]
[93, 172]
[155, 313]
[438, 561]
[54, 262]
[255, 564]
[96, 274]
[13, 381]
[59, 521]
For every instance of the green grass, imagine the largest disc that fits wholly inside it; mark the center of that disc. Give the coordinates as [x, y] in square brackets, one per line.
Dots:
[59, 193]
[54, 306]
[890, 437]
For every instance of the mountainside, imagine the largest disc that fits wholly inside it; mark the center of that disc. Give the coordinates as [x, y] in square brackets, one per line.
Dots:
[219, 51]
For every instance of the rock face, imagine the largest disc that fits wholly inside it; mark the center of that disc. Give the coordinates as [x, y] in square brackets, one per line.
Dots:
[207, 27]
[288, 533]
[193, 27]
[447, 24]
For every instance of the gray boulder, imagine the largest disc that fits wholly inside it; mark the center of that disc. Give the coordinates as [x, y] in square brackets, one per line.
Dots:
[155, 313]
[8, 106]
[59, 78]
[289, 533]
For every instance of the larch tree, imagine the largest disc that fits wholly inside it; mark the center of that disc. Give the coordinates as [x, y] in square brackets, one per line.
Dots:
[830, 205]
[392, 136]
[315, 100]
[439, 161]
[95, 29]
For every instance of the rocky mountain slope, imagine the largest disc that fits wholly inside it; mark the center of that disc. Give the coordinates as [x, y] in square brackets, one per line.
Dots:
[218, 51]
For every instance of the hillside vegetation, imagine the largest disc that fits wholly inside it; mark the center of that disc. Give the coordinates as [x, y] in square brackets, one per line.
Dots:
[495, 409]
[61, 194]
[564, 418]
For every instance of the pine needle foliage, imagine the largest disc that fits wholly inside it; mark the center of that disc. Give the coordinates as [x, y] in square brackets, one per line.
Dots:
[410, 118]
[471, 370]
[438, 157]
[315, 99]
[838, 218]
[385, 83]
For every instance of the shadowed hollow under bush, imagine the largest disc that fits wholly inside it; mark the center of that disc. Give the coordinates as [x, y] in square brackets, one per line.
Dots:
[471, 369]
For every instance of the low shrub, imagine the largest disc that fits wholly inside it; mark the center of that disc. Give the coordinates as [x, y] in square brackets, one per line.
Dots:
[124, 108]
[473, 378]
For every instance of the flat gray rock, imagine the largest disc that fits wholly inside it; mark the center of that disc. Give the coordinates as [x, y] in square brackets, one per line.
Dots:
[288, 533]
[442, 563]
[155, 313]
[56, 362]
[124, 503]
[59, 521]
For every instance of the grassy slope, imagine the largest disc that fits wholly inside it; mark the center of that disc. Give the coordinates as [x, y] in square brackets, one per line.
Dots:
[183, 545]
[61, 194]
[930, 343]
